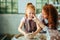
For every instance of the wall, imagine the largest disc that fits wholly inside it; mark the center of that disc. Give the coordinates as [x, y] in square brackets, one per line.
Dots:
[22, 5]
[9, 23]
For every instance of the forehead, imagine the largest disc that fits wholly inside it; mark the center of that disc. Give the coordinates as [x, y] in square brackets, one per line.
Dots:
[30, 10]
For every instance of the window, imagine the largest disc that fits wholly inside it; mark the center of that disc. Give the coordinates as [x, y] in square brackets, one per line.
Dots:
[56, 3]
[22, 5]
[8, 6]
[40, 4]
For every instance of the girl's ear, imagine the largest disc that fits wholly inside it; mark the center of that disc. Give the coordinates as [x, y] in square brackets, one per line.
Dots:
[26, 15]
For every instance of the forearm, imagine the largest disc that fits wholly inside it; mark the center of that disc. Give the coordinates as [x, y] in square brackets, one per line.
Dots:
[40, 23]
[38, 30]
[21, 31]
[20, 28]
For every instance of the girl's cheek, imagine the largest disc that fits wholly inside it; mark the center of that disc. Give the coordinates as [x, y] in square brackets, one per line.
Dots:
[45, 16]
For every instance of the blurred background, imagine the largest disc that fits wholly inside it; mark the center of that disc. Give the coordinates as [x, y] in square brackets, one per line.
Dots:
[11, 12]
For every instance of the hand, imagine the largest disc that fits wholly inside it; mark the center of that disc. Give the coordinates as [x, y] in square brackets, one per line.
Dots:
[38, 22]
[29, 35]
[35, 18]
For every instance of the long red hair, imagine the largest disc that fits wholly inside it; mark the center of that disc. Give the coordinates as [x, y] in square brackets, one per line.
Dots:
[52, 13]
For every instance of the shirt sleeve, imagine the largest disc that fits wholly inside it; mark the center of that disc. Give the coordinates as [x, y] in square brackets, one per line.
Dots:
[23, 19]
[45, 28]
[40, 17]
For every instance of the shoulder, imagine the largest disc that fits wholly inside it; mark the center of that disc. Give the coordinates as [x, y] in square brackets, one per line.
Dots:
[23, 19]
[40, 14]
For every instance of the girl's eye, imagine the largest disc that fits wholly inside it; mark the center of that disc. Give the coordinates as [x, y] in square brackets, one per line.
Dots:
[32, 13]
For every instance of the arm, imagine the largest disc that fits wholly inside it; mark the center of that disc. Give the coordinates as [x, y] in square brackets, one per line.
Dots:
[31, 35]
[39, 25]
[20, 28]
[38, 22]
[38, 29]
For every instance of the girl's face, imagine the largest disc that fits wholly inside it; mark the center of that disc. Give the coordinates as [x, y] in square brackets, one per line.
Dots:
[30, 13]
[44, 15]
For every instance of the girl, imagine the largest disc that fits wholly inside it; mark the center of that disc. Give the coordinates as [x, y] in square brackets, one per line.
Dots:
[30, 26]
[48, 20]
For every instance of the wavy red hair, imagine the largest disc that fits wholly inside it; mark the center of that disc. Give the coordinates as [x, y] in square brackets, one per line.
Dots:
[52, 13]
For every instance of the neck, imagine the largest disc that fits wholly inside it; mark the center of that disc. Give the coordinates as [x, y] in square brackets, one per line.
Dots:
[29, 18]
